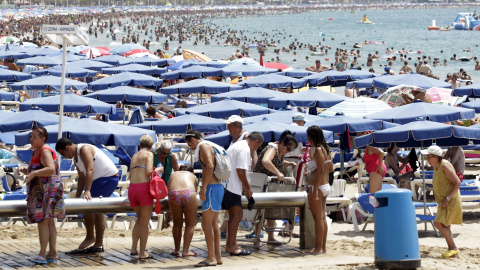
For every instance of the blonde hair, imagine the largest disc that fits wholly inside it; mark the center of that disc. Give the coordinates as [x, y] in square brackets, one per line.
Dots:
[146, 141]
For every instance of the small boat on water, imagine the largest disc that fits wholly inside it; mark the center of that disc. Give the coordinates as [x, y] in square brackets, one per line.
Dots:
[317, 53]
[365, 20]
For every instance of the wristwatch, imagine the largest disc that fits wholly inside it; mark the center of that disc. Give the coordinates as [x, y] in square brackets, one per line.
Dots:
[448, 198]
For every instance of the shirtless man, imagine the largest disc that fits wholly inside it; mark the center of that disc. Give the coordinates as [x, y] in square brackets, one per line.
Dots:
[317, 67]
[425, 69]
[406, 69]
[420, 95]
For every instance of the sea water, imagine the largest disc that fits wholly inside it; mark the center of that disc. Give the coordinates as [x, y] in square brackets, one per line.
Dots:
[400, 29]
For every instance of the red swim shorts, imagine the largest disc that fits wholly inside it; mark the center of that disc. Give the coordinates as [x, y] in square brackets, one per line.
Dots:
[139, 194]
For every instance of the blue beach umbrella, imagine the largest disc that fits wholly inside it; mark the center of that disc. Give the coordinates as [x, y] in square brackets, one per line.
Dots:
[321, 79]
[472, 105]
[273, 81]
[135, 68]
[45, 82]
[182, 64]
[180, 125]
[89, 64]
[28, 119]
[10, 75]
[40, 60]
[72, 103]
[115, 60]
[340, 124]
[150, 61]
[357, 107]
[199, 86]
[70, 57]
[472, 90]
[433, 112]
[296, 73]
[91, 131]
[309, 98]
[37, 51]
[7, 96]
[385, 82]
[365, 83]
[128, 95]
[257, 95]
[245, 70]
[125, 79]
[12, 54]
[225, 108]
[335, 78]
[270, 130]
[121, 49]
[70, 72]
[193, 71]
[213, 63]
[285, 117]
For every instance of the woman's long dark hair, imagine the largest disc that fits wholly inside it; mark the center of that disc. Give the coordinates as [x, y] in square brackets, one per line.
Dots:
[287, 137]
[316, 134]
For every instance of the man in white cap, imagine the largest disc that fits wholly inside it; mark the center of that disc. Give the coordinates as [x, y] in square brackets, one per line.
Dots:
[235, 127]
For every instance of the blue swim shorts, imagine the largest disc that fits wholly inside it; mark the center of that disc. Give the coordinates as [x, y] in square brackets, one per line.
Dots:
[214, 198]
[104, 186]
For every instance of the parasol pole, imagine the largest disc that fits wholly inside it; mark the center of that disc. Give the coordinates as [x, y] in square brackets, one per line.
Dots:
[424, 190]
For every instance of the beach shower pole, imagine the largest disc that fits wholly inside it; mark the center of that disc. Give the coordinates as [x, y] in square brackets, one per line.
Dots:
[62, 87]
[424, 190]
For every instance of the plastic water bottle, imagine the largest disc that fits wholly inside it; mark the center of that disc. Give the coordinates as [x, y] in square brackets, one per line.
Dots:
[160, 165]
[373, 201]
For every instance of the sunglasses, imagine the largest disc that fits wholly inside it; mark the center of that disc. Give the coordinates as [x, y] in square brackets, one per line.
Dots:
[163, 153]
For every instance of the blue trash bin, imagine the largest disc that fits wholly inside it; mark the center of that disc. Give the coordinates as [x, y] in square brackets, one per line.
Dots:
[396, 235]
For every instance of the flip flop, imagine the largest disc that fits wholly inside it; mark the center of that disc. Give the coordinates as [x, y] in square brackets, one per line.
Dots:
[94, 250]
[77, 251]
[243, 252]
[39, 260]
[175, 254]
[310, 252]
[134, 254]
[204, 264]
[146, 258]
[449, 253]
[52, 260]
[195, 254]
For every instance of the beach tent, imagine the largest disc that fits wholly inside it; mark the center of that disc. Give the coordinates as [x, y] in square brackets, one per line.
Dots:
[128, 95]
[47, 82]
[72, 103]
[285, 117]
[70, 72]
[180, 124]
[357, 107]
[413, 111]
[245, 70]
[225, 108]
[472, 90]
[92, 131]
[308, 98]
[135, 68]
[195, 71]
[273, 81]
[89, 64]
[115, 60]
[385, 82]
[199, 86]
[271, 132]
[28, 119]
[257, 95]
[125, 79]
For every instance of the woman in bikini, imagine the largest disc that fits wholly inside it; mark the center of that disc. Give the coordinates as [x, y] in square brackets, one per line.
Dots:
[182, 199]
[141, 200]
[318, 188]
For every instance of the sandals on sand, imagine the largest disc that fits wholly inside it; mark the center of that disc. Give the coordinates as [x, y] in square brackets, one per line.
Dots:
[243, 252]
[85, 250]
[449, 253]
[39, 260]
[204, 264]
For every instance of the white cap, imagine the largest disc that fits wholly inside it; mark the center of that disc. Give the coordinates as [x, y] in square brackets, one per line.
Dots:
[298, 117]
[433, 150]
[234, 118]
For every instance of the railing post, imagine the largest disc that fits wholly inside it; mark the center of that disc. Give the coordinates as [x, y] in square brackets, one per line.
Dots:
[307, 226]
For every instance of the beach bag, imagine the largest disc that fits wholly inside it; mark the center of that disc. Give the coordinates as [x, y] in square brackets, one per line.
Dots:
[158, 189]
[222, 162]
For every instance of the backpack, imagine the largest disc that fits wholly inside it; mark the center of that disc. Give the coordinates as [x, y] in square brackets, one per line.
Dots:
[222, 162]
[158, 189]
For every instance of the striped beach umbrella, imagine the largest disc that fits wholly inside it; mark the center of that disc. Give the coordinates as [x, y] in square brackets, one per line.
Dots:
[357, 107]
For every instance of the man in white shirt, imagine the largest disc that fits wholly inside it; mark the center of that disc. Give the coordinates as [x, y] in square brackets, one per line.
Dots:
[97, 177]
[240, 161]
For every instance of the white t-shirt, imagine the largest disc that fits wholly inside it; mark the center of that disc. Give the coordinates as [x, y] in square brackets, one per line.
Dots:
[239, 155]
